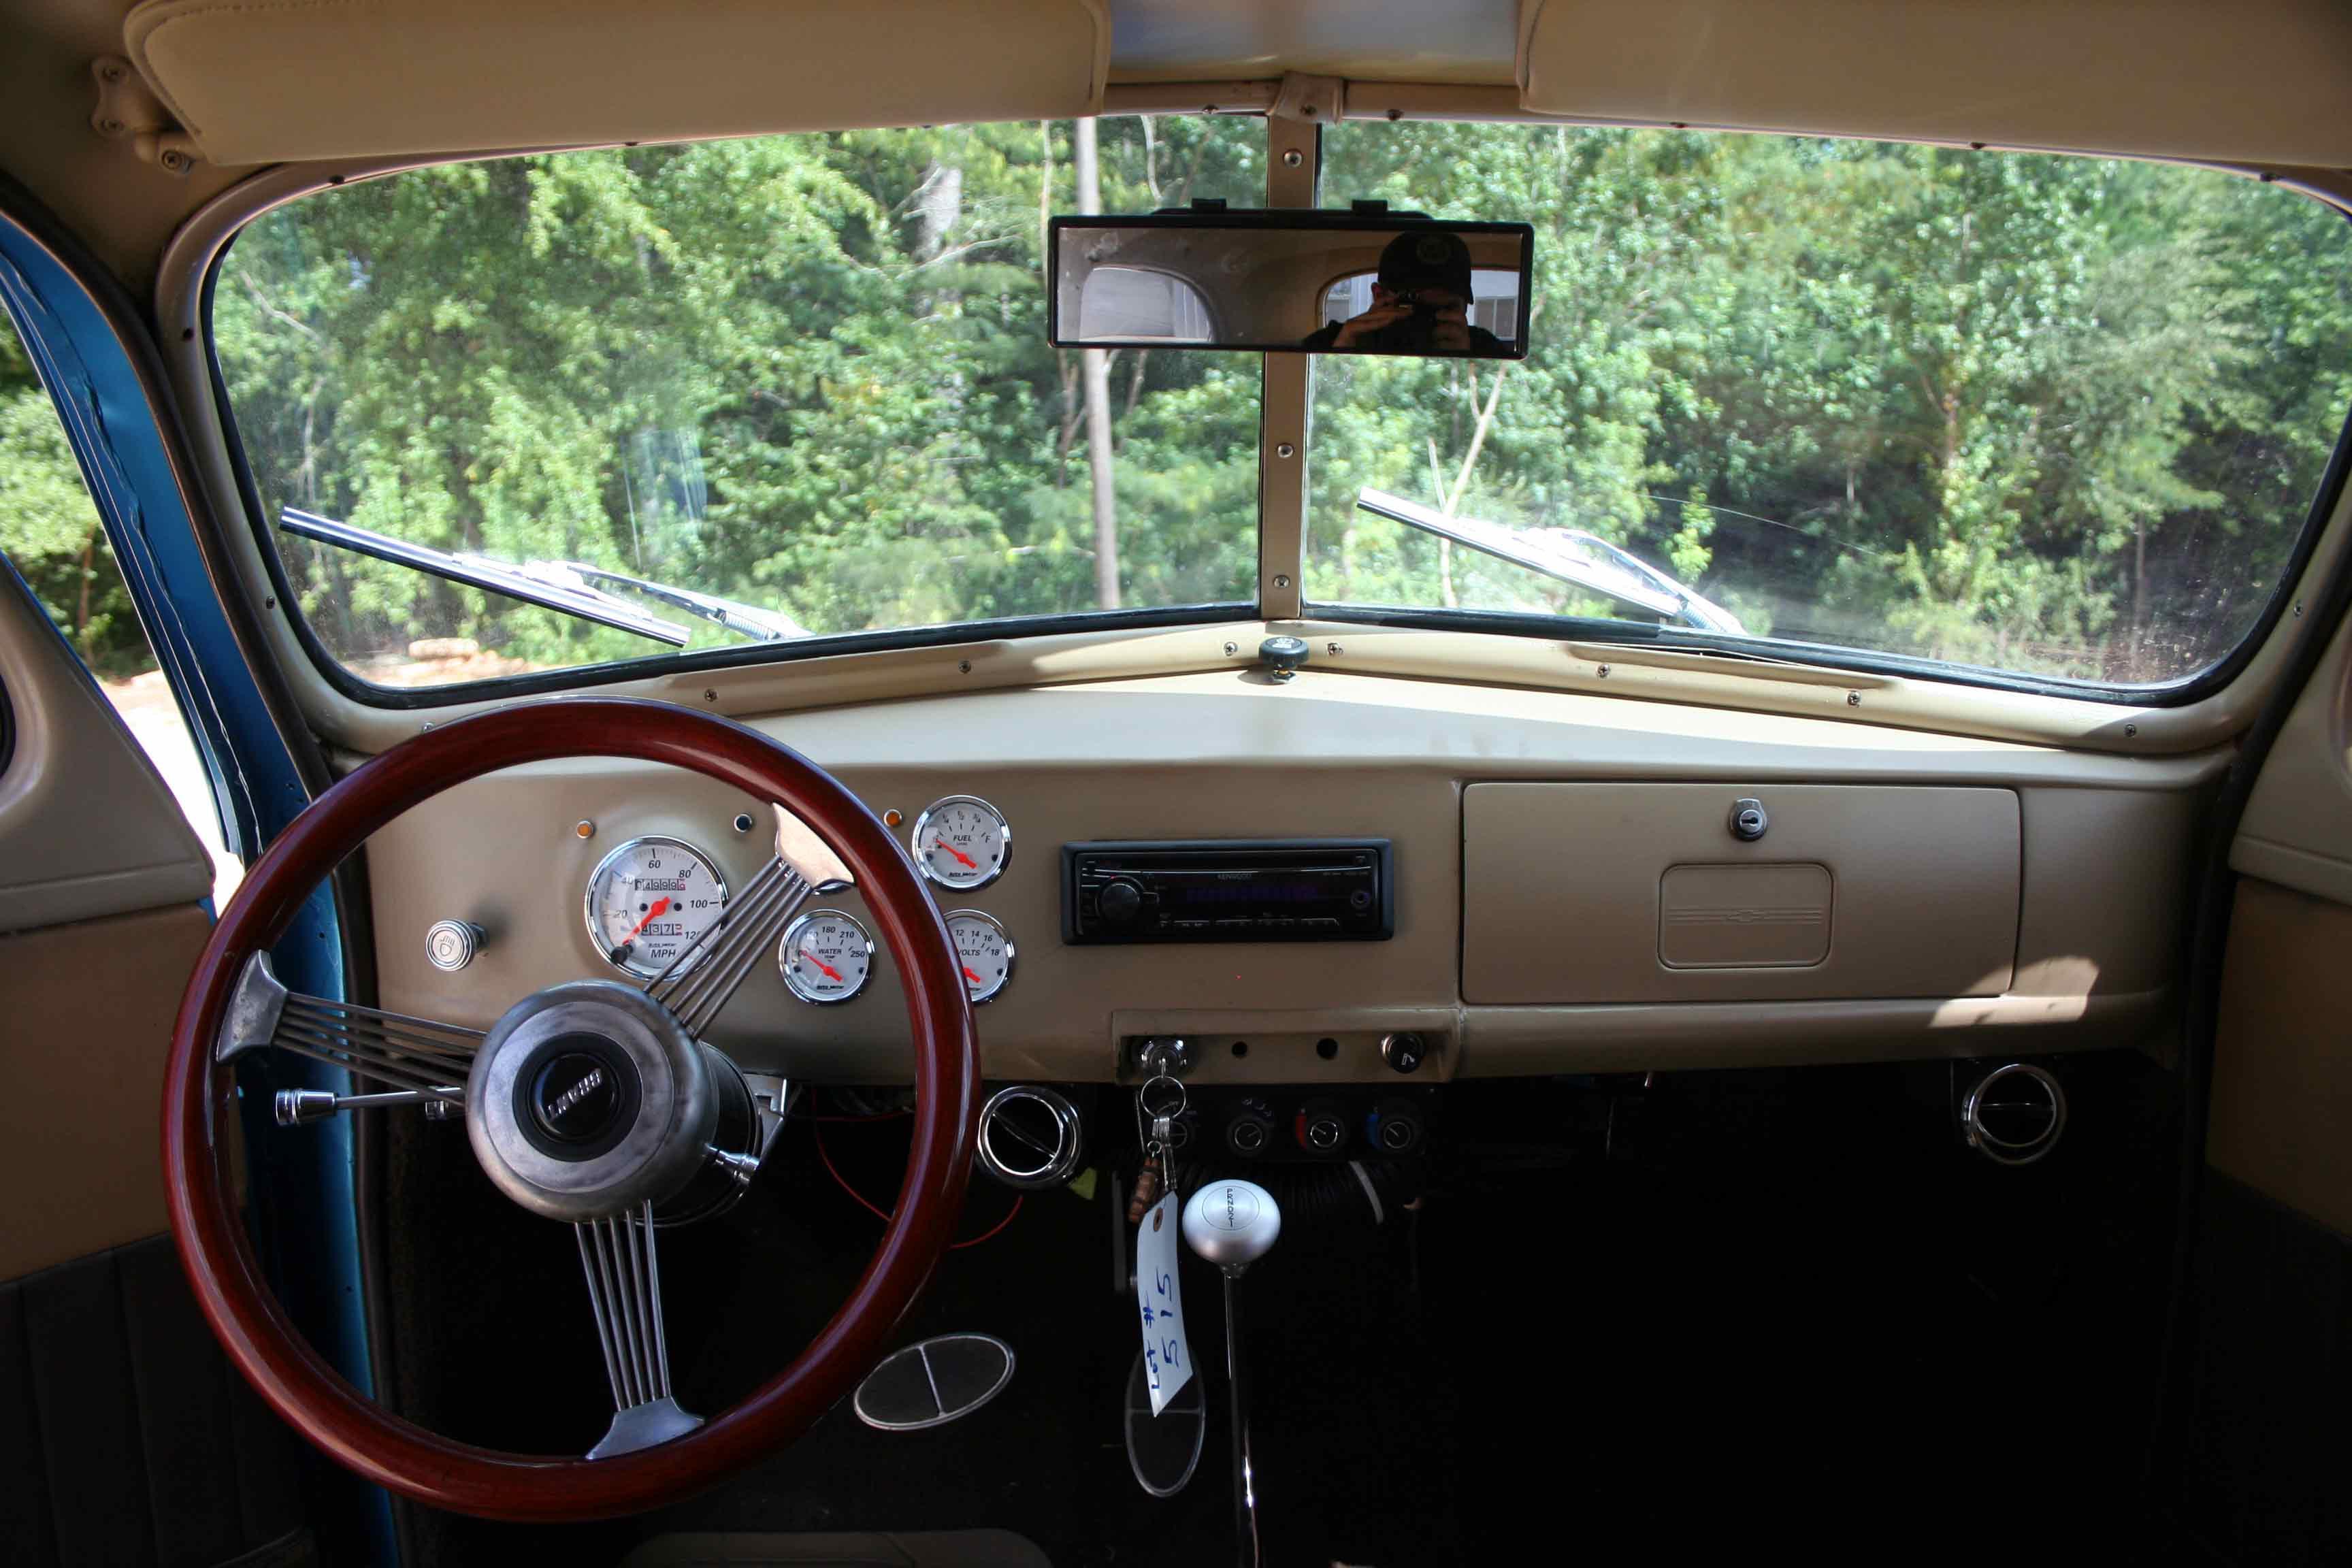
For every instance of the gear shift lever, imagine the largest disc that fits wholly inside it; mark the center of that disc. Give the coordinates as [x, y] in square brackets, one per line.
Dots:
[1233, 1224]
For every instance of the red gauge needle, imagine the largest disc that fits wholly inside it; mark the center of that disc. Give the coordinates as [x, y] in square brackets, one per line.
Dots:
[661, 906]
[959, 854]
[830, 971]
[968, 974]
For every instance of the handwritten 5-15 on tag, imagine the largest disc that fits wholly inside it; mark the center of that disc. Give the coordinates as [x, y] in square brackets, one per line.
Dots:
[1159, 1304]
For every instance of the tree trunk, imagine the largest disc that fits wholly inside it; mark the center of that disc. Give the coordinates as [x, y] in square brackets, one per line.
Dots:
[1094, 367]
[2139, 593]
[82, 611]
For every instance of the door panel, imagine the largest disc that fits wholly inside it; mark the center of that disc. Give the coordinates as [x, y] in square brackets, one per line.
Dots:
[91, 1007]
[2259, 1448]
[101, 879]
[2282, 1093]
[2282, 1103]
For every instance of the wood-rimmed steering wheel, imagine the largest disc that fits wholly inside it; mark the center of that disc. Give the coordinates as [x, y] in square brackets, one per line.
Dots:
[594, 1066]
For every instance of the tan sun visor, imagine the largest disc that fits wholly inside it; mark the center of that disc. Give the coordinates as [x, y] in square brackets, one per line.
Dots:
[299, 79]
[2258, 82]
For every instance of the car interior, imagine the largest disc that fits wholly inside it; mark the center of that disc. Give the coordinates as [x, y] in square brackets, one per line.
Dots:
[1167, 782]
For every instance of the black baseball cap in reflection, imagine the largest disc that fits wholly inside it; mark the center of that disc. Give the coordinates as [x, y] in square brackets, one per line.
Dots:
[1426, 258]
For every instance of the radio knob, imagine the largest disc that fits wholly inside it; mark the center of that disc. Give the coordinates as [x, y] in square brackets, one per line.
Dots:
[1121, 902]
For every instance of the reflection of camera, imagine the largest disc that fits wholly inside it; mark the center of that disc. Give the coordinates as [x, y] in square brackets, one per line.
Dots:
[1414, 332]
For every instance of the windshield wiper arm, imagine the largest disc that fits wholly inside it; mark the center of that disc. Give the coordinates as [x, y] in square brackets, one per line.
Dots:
[745, 620]
[1569, 554]
[534, 582]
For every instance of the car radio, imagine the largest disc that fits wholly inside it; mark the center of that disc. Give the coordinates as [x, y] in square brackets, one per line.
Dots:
[1242, 890]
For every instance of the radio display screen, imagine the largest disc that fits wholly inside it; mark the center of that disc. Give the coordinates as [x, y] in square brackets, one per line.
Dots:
[1317, 889]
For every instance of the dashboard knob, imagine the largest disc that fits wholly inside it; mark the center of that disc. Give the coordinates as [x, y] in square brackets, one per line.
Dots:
[1403, 1051]
[451, 944]
[1283, 655]
[1121, 902]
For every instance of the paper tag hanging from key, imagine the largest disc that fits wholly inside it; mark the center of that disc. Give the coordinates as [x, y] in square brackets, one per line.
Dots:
[1159, 1303]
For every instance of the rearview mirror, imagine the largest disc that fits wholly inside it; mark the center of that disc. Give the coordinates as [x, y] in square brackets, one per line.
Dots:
[1292, 282]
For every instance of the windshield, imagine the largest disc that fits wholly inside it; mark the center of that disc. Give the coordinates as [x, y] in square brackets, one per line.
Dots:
[801, 378]
[2061, 417]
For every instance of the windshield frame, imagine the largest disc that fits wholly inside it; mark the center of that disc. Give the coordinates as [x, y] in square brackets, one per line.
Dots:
[1285, 394]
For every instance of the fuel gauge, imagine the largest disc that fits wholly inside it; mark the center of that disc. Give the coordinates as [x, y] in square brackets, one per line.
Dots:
[961, 842]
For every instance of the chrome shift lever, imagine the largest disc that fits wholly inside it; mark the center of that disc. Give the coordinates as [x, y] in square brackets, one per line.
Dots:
[1233, 1223]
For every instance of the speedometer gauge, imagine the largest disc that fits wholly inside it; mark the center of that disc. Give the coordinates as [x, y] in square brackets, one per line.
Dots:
[650, 901]
[825, 956]
[984, 949]
[962, 842]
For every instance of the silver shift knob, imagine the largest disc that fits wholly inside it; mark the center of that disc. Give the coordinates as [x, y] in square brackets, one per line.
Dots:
[1232, 1224]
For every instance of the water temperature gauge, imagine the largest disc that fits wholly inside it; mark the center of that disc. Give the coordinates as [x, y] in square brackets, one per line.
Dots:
[825, 956]
[984, 949]
[961, 842]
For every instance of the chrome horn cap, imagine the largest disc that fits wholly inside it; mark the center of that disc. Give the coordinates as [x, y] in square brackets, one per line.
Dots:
[590, 1098]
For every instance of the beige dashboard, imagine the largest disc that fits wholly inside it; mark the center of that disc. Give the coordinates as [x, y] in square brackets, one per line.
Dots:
[1569, 895]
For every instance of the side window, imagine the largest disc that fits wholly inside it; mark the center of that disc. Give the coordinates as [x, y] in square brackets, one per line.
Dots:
[50, 532]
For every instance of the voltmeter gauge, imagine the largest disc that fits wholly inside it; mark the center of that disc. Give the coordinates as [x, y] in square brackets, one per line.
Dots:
[825, 956]
[962, 842]
[984, 949]
[649, 901]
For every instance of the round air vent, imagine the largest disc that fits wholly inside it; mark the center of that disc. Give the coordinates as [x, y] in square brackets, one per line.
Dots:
[2014, 1114]
[1029, 1136]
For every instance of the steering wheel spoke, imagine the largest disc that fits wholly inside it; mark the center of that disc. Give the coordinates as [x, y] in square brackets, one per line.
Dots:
[701, 980]
[417, 1057]
[618, 1256]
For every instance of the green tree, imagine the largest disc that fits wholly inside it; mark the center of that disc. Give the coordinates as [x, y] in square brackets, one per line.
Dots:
[50, 532]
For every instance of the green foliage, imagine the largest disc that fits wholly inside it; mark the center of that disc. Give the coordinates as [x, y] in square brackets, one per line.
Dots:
[2053, 414]
[49, 532]
[809, 372]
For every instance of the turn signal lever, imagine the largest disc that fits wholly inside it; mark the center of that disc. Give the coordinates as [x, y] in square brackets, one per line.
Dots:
[1233, 1223]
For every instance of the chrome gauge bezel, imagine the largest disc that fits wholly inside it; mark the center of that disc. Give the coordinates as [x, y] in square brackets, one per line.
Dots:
[792, 934]
[922, 861]
[596, 879]
[1011, 957]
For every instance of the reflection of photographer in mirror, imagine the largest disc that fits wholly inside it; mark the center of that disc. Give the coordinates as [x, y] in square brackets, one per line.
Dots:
[1421, 304]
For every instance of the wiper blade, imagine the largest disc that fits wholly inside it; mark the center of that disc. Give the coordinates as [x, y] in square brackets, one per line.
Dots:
[745, 620]
[1567, 554]
[534, 582]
